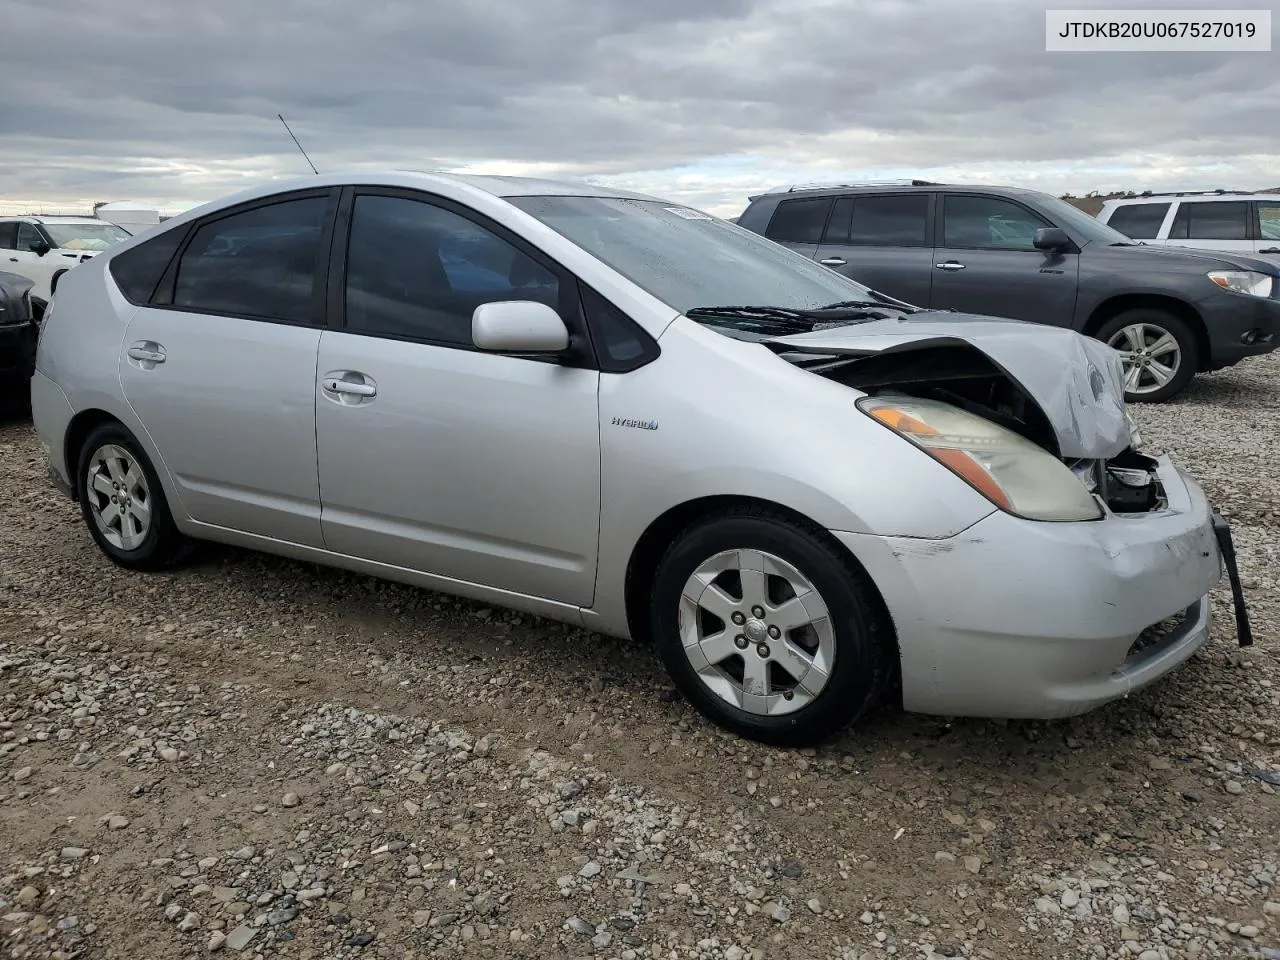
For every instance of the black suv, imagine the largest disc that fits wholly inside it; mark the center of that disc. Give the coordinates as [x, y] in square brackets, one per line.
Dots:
[1009, 252]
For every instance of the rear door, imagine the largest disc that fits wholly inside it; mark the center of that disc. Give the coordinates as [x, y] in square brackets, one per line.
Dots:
[984, 262]
[799, 223]
[1214, 225]
[882, 240]
[220, 366]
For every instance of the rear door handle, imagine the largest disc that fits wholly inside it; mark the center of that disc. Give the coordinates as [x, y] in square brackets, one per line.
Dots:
[833, 261]
[949, 265]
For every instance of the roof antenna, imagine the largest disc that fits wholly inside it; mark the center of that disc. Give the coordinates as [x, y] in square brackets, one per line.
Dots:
[299, 146]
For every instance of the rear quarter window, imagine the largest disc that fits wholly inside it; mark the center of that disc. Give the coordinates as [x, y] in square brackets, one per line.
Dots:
[1141, 221]
[799, 221]
[137, 271]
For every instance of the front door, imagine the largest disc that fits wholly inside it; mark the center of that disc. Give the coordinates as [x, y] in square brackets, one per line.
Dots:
[434, 456]
[882, 241]
[984, 263]
[222, 376]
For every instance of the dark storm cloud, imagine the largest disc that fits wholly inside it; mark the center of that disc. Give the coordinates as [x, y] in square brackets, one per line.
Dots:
[159, 99]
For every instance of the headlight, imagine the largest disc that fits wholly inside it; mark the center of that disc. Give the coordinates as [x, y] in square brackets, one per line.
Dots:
[1243, 281]
[1008, 469]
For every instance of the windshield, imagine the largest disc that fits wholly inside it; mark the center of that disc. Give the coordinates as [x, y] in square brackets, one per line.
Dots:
[688, 259]
[1065, 215]
[85, 236]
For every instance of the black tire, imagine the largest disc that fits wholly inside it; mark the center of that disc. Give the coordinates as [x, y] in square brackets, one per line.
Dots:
[163, 545]
[1188, 349]
[864, 652]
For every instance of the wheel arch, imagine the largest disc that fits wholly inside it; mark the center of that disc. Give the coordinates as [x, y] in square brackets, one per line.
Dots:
[642, 566]
[78, 430]
[1116, 305]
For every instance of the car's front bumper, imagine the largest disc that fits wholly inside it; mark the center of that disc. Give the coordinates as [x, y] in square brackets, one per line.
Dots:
[1015, 618]
[1240, 326]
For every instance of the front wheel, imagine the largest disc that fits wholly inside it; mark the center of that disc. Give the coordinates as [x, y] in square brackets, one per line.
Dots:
[768, 629]
[1157, 350]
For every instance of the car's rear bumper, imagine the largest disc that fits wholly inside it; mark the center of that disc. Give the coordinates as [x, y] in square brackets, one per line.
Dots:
[51, 412]
[1240, 326]
[1014, 618]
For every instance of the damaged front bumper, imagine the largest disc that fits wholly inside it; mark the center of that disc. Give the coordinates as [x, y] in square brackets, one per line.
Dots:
[1024, 619]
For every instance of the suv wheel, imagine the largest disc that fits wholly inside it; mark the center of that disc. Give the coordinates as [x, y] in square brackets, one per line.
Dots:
[123, 504]
[1158, 352]
[768, 629]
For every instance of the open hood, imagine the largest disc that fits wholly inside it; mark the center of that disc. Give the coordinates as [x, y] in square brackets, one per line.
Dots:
[1077, 382]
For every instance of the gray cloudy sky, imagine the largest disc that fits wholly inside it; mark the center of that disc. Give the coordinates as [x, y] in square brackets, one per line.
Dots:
[173, 102]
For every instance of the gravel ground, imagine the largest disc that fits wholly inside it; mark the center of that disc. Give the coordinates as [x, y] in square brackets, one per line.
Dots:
[257, 756]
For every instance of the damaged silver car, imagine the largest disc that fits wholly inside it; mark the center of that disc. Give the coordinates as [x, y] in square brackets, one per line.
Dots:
[616, 411]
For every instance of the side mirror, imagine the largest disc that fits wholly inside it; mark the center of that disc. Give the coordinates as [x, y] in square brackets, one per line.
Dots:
[518, 326]
[1051, 238]
[39, 248]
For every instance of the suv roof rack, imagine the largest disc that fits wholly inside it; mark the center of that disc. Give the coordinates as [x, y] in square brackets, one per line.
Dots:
[1188, 193]
[821, 185]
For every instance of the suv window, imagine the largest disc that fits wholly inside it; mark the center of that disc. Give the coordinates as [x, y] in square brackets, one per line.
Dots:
[1211, 220]
[262, 263]
[1141, 221]
[1269, 220]
[799, 221]
[988, 222]
[9, 236]
[417, 270]
[27, 235]
[891, 221]
[138, 270]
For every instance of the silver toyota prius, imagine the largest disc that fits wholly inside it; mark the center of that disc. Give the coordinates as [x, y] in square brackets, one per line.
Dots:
[618, 411]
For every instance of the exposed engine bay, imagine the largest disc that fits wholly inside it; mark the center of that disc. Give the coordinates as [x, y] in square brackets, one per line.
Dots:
[966, 377]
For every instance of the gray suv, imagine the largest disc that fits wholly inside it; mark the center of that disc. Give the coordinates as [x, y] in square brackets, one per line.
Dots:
[1009, 252]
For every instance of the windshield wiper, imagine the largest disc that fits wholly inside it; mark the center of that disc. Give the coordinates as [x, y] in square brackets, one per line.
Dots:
[881, 300]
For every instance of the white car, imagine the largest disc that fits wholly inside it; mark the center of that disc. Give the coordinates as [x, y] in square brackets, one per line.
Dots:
[1247, 223]
[42, 249]
[623, 413]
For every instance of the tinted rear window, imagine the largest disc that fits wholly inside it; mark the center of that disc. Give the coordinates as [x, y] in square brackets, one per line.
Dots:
[137, 271]
[1211, 220]
[896, 221]
[799, 221]
[1139, 220]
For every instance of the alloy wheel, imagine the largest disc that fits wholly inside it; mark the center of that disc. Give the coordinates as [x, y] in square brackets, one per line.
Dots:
[1149, 354]
[119, 498]
[756, 632]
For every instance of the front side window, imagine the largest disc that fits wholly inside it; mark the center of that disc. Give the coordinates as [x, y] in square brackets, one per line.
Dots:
[978, 222]
[1211, 220]
[262, 263]
[687, 259]
[419, 271]
[8, 236]
[85, 236]
[1141, 221]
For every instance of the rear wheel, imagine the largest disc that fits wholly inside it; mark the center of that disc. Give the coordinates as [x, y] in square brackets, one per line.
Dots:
[768, 629]
[123, 504]
[1158, 351]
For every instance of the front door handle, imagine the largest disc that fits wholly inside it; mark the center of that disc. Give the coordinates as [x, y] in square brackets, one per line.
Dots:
[348, 386]
[354, 389]
[146, 353]
[833, 261]
[949, 265]
[1270, 250]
